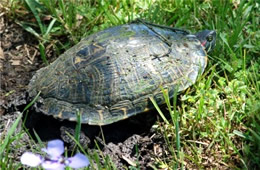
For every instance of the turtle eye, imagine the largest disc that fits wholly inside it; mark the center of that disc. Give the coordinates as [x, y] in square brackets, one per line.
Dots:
[209, 38]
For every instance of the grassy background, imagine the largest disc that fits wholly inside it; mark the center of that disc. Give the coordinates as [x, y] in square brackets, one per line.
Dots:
[218, 118]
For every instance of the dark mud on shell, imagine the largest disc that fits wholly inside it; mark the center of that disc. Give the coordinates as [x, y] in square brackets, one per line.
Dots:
[126, 142]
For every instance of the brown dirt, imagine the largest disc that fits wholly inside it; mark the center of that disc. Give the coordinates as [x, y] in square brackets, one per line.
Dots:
[126, 142]
[18, 60]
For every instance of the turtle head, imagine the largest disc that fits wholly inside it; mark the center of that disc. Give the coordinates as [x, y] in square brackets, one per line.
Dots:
[207, 39]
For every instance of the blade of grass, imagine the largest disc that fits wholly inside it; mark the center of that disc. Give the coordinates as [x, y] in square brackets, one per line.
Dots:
[159, 110]
[29, 29]
[50, 26]
[42, 52]
[32, 102]
[176, 122]
[32, 5]
[8, 136]
[78, 126]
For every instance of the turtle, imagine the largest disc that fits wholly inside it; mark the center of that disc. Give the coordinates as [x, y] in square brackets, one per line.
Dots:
[111, 75]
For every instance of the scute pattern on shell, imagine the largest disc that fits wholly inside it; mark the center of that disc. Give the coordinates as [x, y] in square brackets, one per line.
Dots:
[110, 75]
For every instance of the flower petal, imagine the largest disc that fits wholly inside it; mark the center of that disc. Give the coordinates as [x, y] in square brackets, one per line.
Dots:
[55, 149]
[53, 165]
[31, 159]
[78, 161]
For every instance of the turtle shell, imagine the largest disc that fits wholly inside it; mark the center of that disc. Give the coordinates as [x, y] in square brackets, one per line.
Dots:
[110, 75]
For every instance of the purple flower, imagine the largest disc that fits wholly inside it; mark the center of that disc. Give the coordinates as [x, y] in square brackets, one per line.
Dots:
[31, 159]
[54, 159]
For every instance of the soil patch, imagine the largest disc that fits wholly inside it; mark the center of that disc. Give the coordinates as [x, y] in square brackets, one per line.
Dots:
[18, 60]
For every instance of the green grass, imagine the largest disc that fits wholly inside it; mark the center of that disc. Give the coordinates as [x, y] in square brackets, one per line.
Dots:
[217, 120]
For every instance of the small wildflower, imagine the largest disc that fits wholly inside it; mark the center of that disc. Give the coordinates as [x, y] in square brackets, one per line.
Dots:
[54, 159]
[31, 159]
